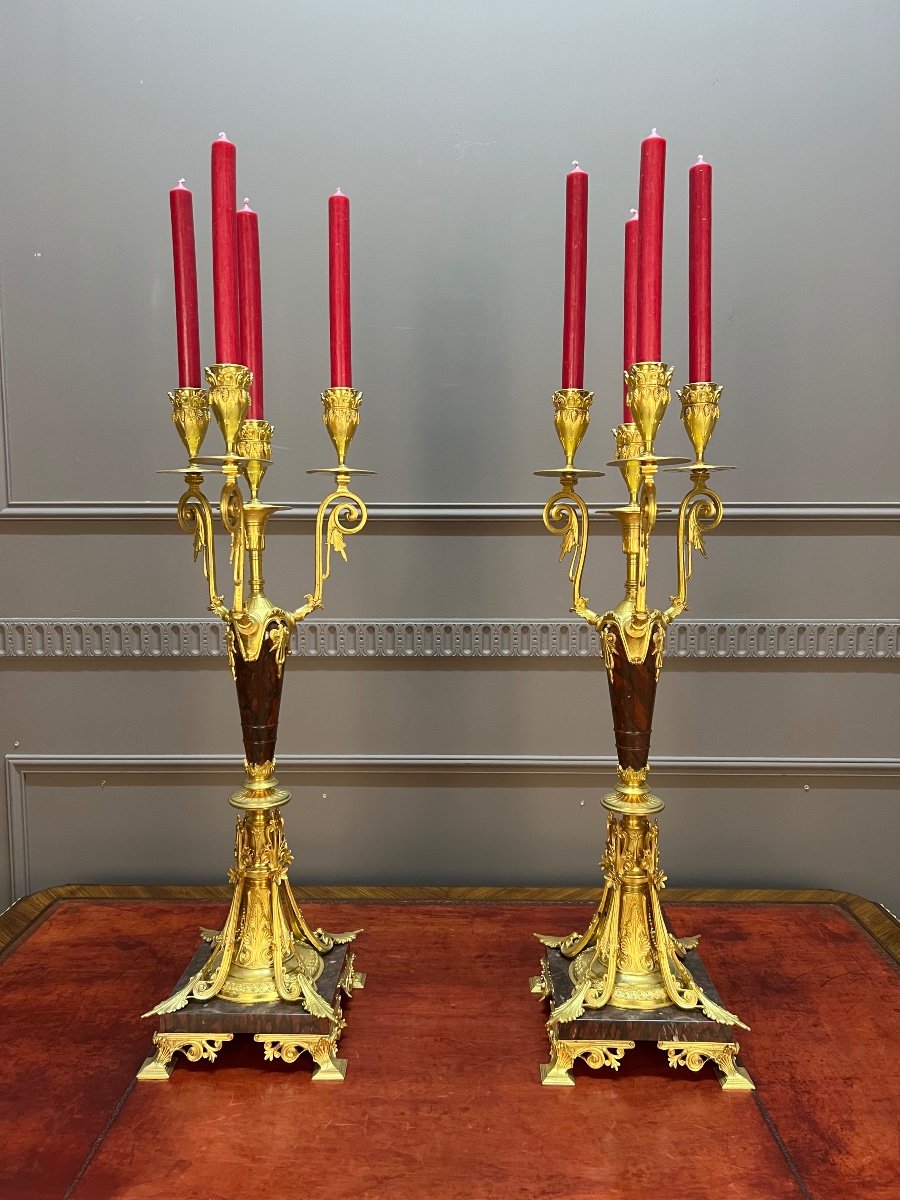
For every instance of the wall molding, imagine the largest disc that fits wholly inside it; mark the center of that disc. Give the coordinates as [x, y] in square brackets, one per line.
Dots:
[177, 638]
[756, 511]
[536, 767]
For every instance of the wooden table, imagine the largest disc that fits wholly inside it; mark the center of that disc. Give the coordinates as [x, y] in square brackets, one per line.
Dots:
[442, 1097]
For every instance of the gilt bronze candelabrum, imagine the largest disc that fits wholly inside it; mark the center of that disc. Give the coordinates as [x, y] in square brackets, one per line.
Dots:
[265, 972]
[627, 977]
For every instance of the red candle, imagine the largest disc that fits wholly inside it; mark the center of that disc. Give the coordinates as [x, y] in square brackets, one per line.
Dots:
[650, 244]
[575, 278]
[181, 206]
[700, 273]
[224, 251]
[629, 323]
[251, 304]
[339, 288]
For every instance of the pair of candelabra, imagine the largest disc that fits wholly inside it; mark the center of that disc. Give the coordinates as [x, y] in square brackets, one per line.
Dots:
[266, 972]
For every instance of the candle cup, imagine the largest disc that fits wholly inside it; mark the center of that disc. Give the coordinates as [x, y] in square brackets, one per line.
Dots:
[341, 417]
[629, 449]
[229, 398]
[572, 415]
[699, 413]
[254, 442]
[648, 398]
[190, 415]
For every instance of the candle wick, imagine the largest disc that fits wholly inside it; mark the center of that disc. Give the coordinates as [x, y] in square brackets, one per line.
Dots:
[181, 183]
[633, 212]
[699, 158]
[653, 133]
[246, 202]
[338, 192]
[575, 162]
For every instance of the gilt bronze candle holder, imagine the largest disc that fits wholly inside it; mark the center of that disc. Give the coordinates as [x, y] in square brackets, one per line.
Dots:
[627, 977]
[265, 972]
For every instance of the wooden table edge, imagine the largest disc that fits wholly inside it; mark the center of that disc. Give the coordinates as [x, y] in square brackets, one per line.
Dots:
[877, 920]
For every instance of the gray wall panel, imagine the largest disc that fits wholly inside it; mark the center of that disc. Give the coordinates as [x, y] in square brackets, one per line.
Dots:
[451, 127]
[455, 707]
[838, 572]
[518, 828]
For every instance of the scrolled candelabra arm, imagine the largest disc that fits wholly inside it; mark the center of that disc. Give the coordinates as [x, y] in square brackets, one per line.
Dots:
[340, 515]
[645, 525]
[195, 517]
[566, 516]
[231, 510]
[698, 514]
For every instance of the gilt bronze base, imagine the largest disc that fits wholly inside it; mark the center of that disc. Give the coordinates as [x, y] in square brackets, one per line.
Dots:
[602, 1036]
[285, 1030]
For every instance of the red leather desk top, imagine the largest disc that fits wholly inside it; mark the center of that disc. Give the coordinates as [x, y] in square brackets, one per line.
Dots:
[442, 1097]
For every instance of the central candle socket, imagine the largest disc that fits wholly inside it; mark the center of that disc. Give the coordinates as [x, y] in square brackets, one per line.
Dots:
[229, 398]
[648, 398]
[254, 443]
[629, 449]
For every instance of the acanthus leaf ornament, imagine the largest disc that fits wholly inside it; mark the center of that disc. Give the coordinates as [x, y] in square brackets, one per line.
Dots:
[659, 647]
[280, 637]
[610, 648]
[193, 1046]
[336, 540]
[569, 542]
[722, 1055]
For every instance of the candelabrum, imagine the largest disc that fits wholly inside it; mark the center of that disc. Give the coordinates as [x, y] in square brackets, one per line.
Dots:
[627, 976]
[265, 971]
